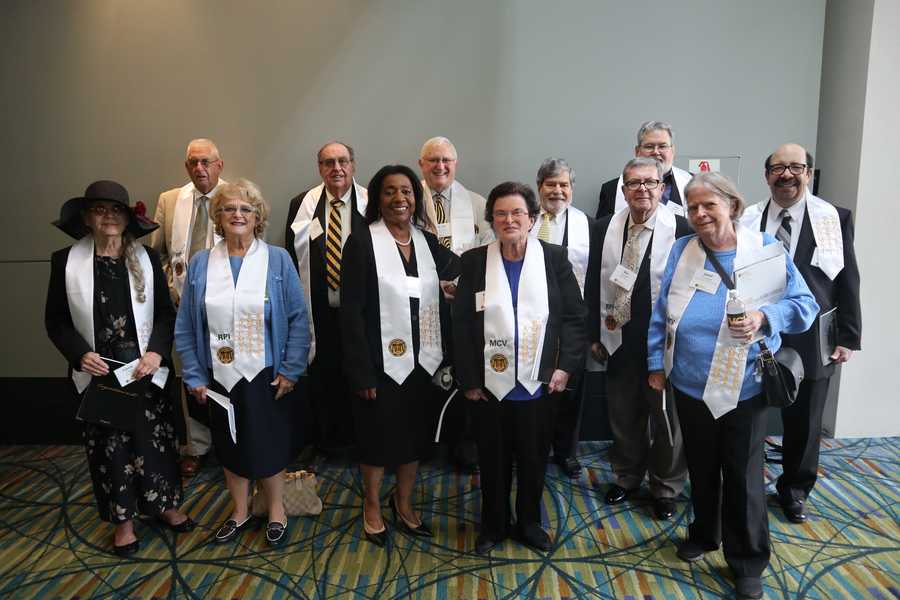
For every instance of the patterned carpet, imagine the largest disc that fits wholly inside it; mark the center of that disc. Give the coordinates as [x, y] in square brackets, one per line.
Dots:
[53, 546]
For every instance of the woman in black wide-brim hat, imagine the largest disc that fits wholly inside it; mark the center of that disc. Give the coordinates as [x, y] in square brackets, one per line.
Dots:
[108, 299]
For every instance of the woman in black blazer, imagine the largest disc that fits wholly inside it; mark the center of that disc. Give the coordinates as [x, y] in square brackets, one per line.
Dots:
[108, 299]
[392, 310]
[498, 327]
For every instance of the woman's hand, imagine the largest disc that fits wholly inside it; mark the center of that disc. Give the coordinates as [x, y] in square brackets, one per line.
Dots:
[449, 289]
[558, 381]
[599, 352]
[657, 380]
[93, 364]
[282, 385]
[366, 393]
[199, 393]
[148, 365]
[475, 395]
[744, 329]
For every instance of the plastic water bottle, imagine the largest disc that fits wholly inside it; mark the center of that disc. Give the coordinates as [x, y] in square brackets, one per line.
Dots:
[734, 307]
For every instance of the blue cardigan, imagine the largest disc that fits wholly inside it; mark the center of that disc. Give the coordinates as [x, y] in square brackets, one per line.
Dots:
[289, 325]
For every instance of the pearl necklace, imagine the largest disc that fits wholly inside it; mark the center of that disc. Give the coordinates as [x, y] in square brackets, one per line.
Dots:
[406, 243]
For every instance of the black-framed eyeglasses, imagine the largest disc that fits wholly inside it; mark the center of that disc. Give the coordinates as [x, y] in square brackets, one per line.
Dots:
[795, 169]
[331, 162]
[635, 184]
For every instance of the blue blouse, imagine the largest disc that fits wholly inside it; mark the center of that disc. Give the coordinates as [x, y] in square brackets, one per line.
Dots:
[513, 270]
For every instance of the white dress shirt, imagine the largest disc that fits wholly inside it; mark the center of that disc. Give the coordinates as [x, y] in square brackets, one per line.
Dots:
[773, 220]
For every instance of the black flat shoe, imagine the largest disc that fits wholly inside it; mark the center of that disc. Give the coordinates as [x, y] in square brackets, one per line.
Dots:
[793, 509]
[616, 494]
[127, 549]
[421, 530]
[534, 537]
[230, 530]
[663, 508]
[276, 532]
[185, 526]
[485, 543]
[748, 588]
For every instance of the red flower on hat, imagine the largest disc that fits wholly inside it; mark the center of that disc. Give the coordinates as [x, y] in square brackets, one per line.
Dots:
[140, 209]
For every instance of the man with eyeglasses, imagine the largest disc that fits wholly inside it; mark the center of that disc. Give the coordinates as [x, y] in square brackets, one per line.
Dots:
[185, 229]
[318, 225]
[654, 140]
[818, 236]
[565, 225]
[628, 255]
[456, 217]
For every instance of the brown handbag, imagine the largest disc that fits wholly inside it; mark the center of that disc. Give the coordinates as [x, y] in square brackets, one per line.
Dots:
[300, 496]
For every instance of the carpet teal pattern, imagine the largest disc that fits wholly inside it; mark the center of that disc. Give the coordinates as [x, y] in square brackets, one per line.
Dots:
[53, 546]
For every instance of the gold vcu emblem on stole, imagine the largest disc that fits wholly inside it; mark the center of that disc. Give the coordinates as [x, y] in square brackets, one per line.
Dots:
[179, 269]
[397, 347]
[499, 363]
[225, 355]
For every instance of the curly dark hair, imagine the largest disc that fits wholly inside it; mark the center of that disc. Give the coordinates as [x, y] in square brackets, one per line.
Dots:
[373, 208]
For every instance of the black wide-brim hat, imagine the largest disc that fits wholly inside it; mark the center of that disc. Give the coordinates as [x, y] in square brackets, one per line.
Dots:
[71, 222]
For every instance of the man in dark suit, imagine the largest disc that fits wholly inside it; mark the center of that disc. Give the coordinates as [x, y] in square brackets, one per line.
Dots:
[565, 225]
[819, 238]
[628, 255]
[319, 222]
[654, 140]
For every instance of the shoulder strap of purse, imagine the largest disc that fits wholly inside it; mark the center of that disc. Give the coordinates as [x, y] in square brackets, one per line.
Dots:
[726, 278]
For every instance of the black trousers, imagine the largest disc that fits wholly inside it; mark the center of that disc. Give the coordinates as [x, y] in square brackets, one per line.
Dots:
[725, 459]
[802, 435]
[567, 408]
[505, 431]
[331, 401]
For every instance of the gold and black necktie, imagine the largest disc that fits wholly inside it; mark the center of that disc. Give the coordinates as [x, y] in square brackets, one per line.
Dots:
[333, 246]
[441, 216]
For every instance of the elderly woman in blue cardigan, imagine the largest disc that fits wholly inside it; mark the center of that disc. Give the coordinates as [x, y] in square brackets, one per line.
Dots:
[243, 336]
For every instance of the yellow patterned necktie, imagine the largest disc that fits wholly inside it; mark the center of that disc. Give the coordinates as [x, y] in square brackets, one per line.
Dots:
[333, 246]
[441, 215]
[544, 231]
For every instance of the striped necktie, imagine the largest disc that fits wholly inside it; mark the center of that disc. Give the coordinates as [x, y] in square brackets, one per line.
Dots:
[441, 216]
[333, 246]
[544, 231]
[784, 230]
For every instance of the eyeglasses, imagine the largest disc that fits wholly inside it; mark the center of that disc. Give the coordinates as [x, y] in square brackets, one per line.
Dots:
[203, 162]
[331, 162]
[111, 209]
[655, 147]
[517, 213]
[244, 210]
[443, 160]
[795, 169]
[635, 184]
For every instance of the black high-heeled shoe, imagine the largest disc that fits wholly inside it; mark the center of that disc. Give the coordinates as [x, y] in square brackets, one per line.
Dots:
[379, 538]
[421, 530]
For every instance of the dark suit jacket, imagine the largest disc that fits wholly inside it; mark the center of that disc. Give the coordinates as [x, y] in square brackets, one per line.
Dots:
[70, 343]
[634, 333]
[564, 340]
[843, 293]
[360, 309]
[318, 287]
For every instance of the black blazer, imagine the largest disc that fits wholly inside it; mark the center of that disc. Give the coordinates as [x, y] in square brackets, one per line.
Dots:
[634, 333]
[564, 341]
[843, 293]
[360, 306]
[606, 204]
[70, 343]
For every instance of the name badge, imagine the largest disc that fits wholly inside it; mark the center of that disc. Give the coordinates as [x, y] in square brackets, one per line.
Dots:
[315, 229]
[814, 261]
[706, 281]
[623, 277]
[479, 301]
[412, 287]
[443, 229]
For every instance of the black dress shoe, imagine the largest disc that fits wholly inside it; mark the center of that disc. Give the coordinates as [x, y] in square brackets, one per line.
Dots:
[534, 537]
[127, 549]
[748, 588]
[484, 543]
[185, 526]
[421, 530]
[663, 508]
[617, 494]
[230, 530]
[569, 465]
[692, 551]
[793, 509]
[276, 532]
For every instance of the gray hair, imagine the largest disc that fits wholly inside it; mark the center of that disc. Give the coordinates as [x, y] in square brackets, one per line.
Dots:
[339, 143]
[438, 141]
[242, 189]
[206, 141]
[721, 186]
[643, 161]
[649, 126]
[552, 167]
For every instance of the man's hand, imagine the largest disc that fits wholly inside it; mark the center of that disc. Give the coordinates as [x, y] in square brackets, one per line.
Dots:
[841, 354]
[199, 393]
[148, 365]
[599, 352]
[475, 395]
[558, 381]
[282, 385]
[93, 364]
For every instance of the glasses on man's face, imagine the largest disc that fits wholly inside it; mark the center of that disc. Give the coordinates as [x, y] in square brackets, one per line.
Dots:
[243, 209]
[203, 162]
[635, 184]
[331, 162]
[517, 213]
[655, 147]
[794, 168]
[107, 209]
[440, 160]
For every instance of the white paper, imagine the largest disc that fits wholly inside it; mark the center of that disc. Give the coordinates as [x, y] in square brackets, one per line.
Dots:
[125, 374]
[763, 282]
[160, 377]
[623, 277]
[479, 301]
[225, 403]
[412, 287]
[315, 229]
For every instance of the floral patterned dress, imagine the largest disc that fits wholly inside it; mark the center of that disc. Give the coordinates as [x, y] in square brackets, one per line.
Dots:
[132, 473]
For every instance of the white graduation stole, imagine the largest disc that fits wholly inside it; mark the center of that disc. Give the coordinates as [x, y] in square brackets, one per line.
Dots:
[80, 293]
[305, 231]
[462, 219]
[235, 314]
[578, 244]
[826, 227]
[681, 178]
[394, 291]
[182, 225]
[729, 362]
[499, 321]
[663, 238]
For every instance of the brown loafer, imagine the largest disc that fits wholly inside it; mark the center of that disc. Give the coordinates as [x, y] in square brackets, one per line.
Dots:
[190, 465]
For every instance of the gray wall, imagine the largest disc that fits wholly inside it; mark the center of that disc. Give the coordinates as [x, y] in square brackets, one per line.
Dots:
[109, 89]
